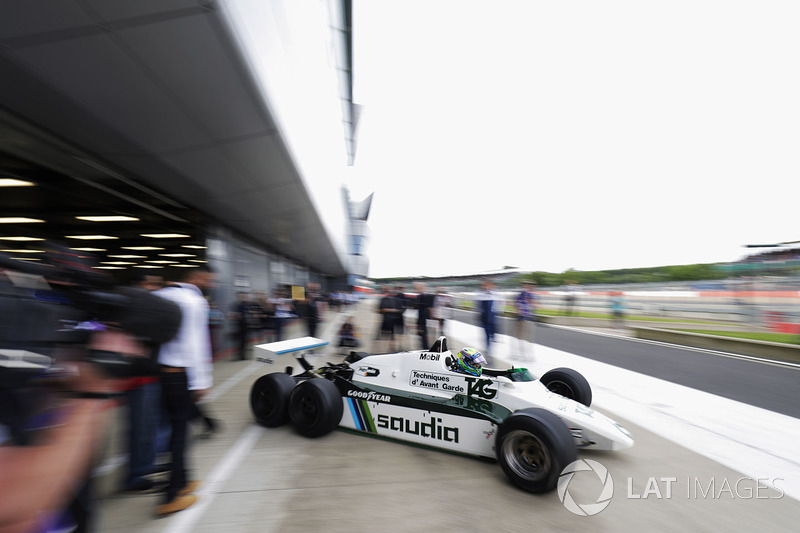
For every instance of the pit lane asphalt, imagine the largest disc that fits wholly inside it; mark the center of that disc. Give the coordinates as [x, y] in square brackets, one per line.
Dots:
[265, 480]
[767, 386]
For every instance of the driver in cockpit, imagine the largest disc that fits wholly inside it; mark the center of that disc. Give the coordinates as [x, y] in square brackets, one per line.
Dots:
[468, 361]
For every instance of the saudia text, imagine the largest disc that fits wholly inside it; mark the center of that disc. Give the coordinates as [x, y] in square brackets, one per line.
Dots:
[432, 430]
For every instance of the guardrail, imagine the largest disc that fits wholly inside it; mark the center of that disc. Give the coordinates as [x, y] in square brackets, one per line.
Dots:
[768, 350]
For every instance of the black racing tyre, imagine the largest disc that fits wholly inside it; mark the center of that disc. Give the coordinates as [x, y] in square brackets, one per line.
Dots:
[533, 446]
[269, 399]
[315, 407]
[568, 383]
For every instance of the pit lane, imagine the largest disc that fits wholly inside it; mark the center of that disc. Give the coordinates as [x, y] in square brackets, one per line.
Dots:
[257, 479]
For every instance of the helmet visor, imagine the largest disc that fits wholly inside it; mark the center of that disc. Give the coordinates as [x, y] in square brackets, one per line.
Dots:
[477, 358]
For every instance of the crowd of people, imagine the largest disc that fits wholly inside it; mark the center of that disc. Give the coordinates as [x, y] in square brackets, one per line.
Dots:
[161, 388]
[255, 317]
[160, 402]
[432, 309]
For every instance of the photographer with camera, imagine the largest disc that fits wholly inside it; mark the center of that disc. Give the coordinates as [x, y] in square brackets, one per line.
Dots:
[68, 337]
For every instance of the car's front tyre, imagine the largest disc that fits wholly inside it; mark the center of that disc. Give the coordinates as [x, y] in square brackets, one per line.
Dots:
[568, 383]
[533, 446]
[269, 399]
[315, 407]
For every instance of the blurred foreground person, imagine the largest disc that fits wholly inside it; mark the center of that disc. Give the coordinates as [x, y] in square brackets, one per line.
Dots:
[45, 486]
[69, 336]
[185, 378]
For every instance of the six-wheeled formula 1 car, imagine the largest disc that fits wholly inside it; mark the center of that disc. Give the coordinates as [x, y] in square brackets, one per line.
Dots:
[533, 427]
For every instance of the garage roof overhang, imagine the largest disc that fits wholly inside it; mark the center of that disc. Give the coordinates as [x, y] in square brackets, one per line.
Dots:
[156, 92]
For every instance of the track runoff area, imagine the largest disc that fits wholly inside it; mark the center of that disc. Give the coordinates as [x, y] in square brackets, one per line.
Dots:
[699, 460]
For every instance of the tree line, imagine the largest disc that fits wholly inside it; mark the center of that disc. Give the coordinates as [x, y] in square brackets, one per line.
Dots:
[695, 272]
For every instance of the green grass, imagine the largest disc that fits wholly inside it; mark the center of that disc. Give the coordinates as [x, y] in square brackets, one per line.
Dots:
[785, 338]
[608, 316]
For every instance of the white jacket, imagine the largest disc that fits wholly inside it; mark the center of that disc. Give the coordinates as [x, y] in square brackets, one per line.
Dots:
[191, 347]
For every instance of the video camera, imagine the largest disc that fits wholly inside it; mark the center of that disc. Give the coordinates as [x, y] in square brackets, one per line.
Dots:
[55, 304]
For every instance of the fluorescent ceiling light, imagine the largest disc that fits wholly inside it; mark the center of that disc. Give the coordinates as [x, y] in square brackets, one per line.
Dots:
[177, 255]
[127, 256]
[147, 266]
[89, 249]
[91, 237]
[141, 248]
[185, 266]
[23, 251]
[116, 263]
[165, 235]
[11, 182]
[194, 246]
[21, 239]
[108, 218]
[110, 268]
[161, 262]
[26, 258]
[19, 220]
[197, 261]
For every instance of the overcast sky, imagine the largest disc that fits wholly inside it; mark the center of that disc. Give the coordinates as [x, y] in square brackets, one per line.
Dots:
[586, 135]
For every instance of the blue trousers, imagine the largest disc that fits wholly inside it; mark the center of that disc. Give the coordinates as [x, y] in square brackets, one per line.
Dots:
[144, 409]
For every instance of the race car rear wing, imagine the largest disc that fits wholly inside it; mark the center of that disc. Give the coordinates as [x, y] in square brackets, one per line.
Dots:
[287, 355]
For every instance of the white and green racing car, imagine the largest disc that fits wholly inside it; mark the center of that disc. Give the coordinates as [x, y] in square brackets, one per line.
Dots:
[533, 427]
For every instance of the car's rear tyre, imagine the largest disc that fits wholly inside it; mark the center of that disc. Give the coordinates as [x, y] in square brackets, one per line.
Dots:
[533, 446]
[269, 399]
[315, 407]
[568, 383]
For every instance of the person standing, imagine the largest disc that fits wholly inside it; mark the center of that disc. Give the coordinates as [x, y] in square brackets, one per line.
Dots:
[186, 376]
[488, 308]
[284, 311]
[525, 307]
[442, 310]
[389, 308]
[143, 401]
[311, 309]
[618, 309]
[241, 314]
[400, 321]
[570, 298]
[424, 304]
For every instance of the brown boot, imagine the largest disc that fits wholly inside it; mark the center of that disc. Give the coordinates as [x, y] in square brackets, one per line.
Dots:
[190, 487]
[178, 503]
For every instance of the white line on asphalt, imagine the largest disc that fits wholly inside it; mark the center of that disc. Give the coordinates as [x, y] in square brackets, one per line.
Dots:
[186, 520]
[229, 383]
[751, 358]
[112, 463]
